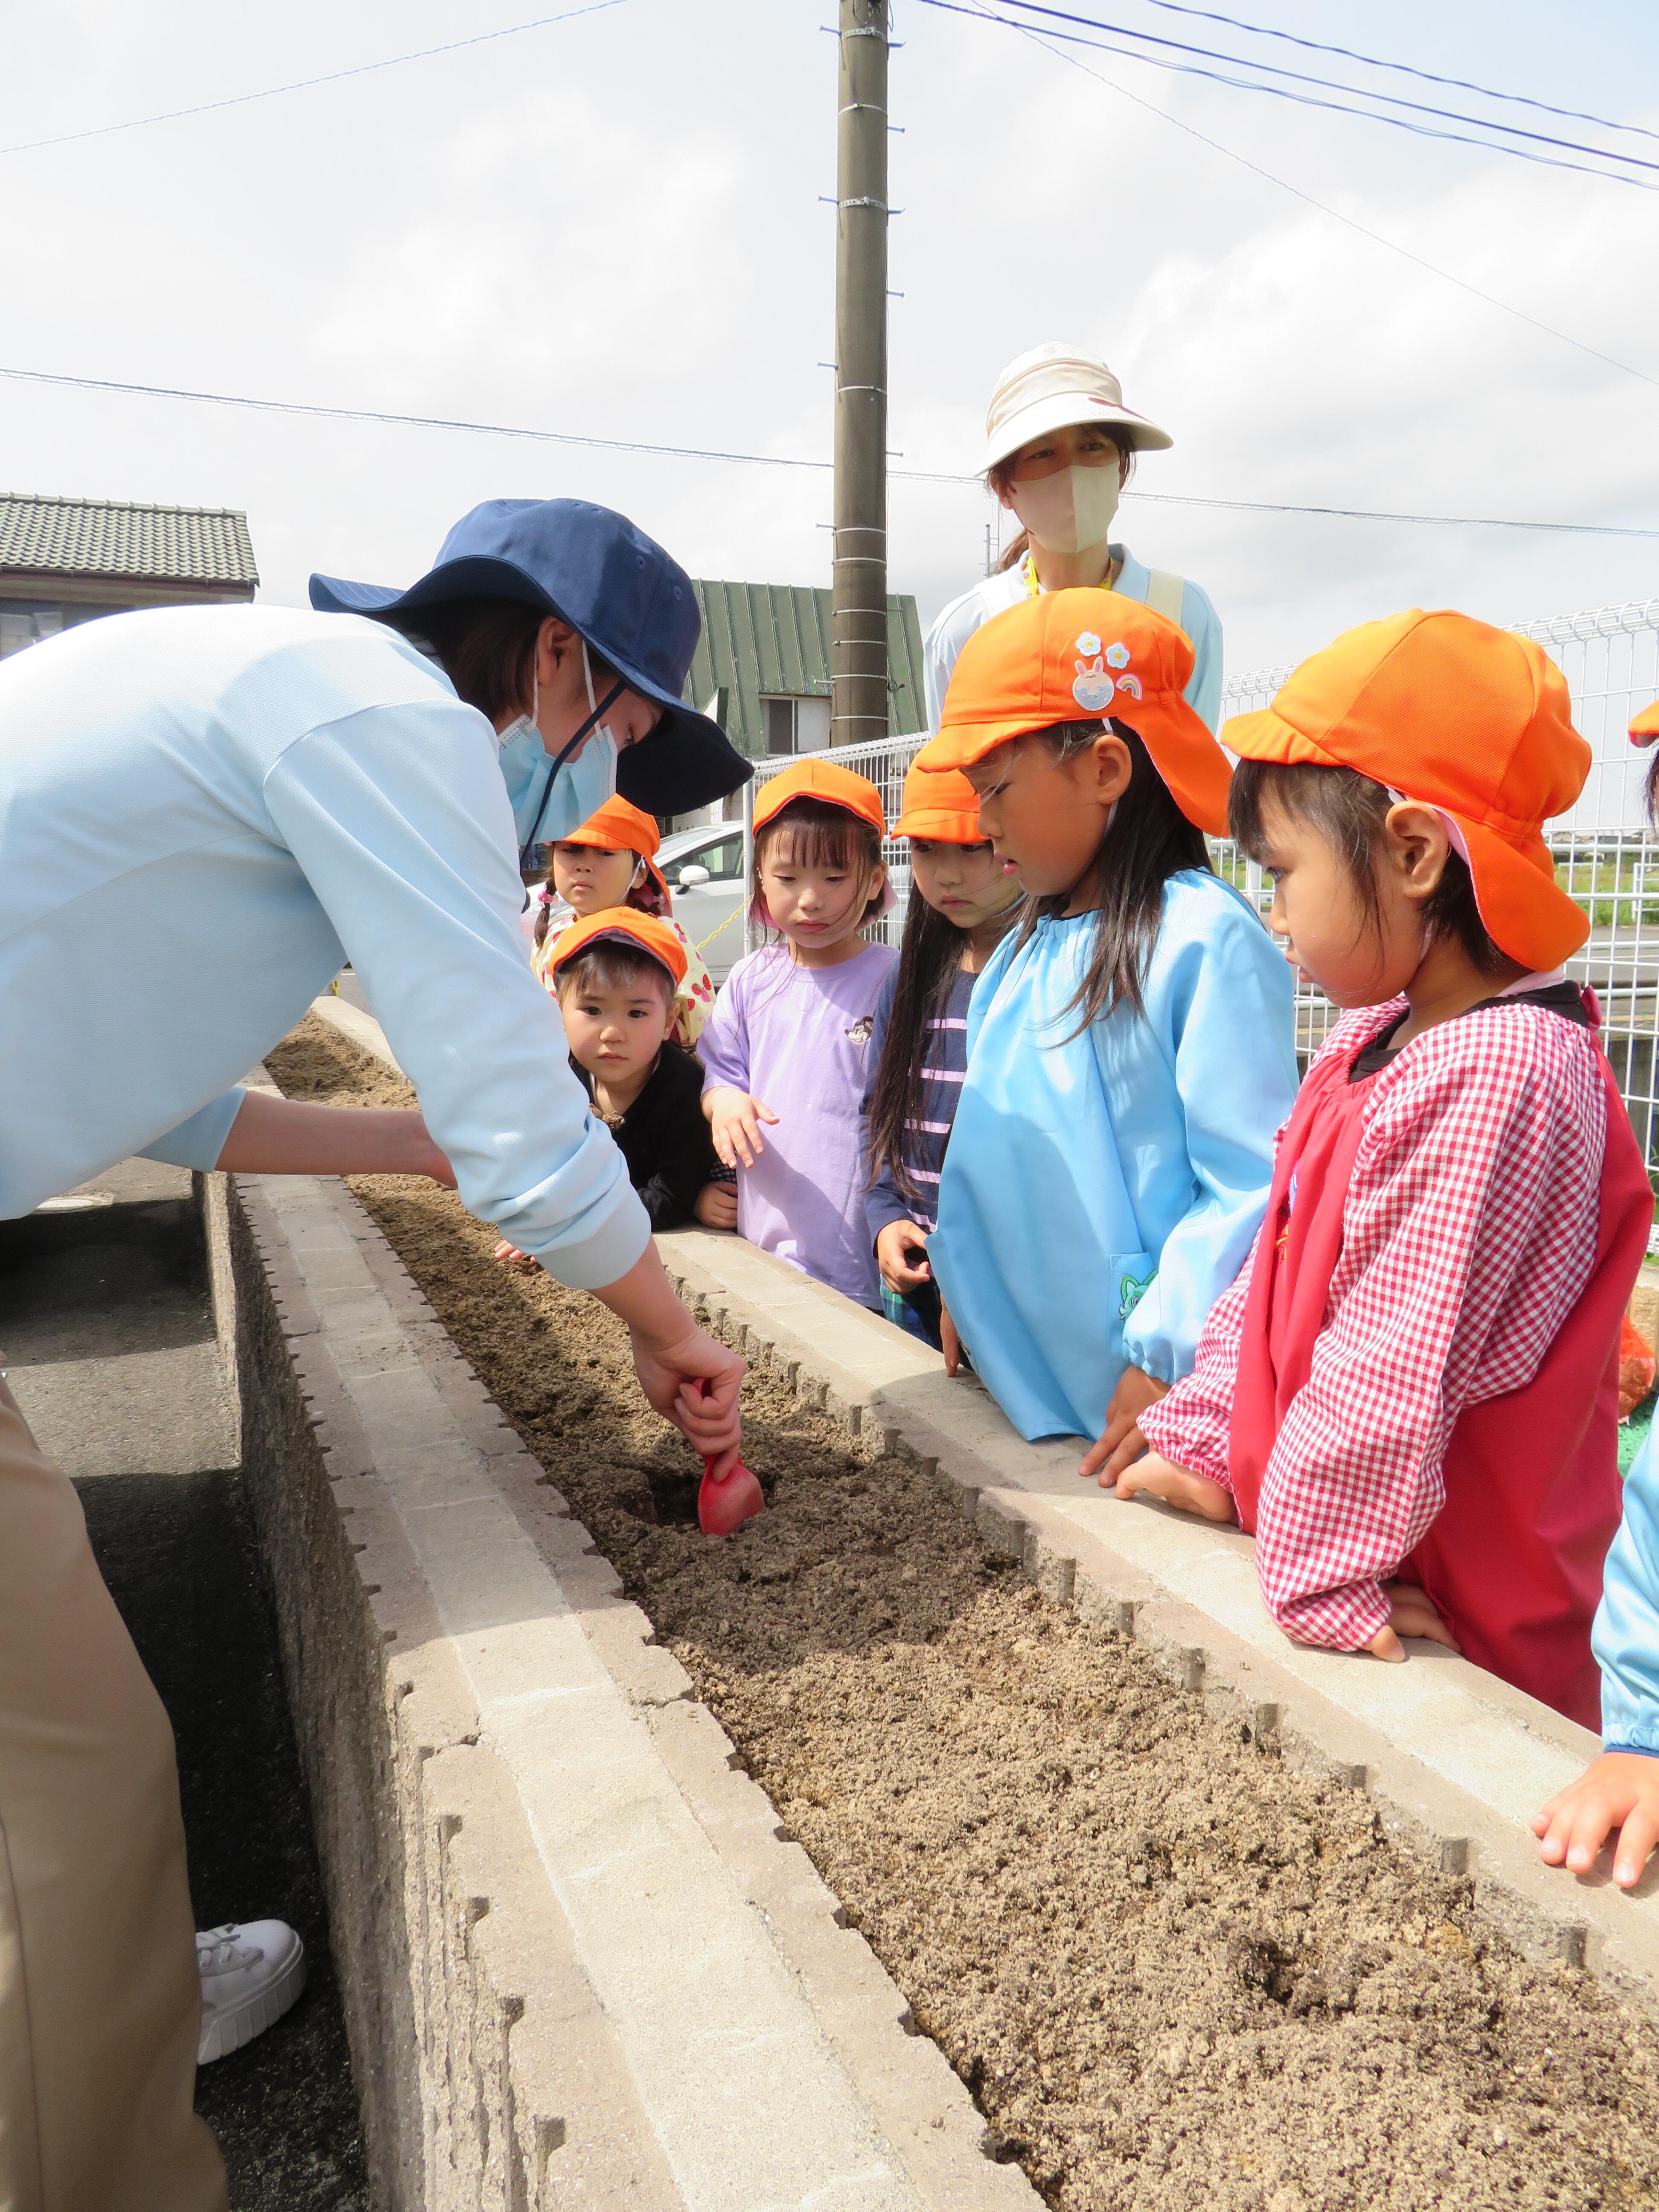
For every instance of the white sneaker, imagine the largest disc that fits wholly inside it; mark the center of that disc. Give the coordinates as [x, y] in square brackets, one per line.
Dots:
[252, 1973]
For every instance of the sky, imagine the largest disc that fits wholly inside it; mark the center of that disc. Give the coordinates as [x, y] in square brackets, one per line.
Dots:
[614, 226]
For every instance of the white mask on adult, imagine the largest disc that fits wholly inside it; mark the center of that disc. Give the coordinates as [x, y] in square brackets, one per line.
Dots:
[1070, 510]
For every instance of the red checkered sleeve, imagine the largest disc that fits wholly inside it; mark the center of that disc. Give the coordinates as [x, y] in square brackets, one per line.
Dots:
[1468, 1231]
[1190, 1425]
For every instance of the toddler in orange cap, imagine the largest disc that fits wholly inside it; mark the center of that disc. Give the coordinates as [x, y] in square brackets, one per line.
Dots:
[1410, 1395]
[962, 906]
[615, 974]
[786, 1044]
[1130, 1048]
[611, 861]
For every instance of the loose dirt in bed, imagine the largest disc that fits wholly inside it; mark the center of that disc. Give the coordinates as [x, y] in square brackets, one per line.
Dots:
[1173, 1974]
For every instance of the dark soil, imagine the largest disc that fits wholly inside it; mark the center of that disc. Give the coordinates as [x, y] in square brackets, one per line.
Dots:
[1174, 1974]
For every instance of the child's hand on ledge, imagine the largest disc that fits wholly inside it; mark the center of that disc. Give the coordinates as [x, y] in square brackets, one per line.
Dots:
[717, 1206]
[1620, 1789]
[1178, 1486]
[949, 1342]
[510, 1255]
[734, 1120]
[893, 1248]
[1120, 1441]
[1410, 1612]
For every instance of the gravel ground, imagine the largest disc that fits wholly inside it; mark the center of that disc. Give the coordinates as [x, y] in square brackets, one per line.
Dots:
[1172, 1973]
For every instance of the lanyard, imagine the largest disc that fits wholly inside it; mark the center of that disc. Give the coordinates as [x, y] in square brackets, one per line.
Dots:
[1033, 590]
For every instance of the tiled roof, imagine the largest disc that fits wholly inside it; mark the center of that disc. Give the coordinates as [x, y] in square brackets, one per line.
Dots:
[762, 639]
[105, 537]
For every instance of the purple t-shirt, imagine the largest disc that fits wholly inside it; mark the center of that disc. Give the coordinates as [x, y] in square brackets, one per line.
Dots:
[796, 1039]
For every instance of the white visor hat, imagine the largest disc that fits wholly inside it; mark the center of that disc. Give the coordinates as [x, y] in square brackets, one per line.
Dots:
[1054, 387]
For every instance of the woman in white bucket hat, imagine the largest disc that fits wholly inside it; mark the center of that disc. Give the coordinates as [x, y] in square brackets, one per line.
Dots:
[1059, 444]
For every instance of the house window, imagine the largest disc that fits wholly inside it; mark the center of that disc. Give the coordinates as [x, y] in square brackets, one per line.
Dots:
[778, 716]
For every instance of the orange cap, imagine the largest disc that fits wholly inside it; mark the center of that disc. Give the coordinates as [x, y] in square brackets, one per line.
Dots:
[619, 826]
[624, 925]
[939, 802]
[1070, 656]
[1473, 721]
[1645, 727]
[823, 779]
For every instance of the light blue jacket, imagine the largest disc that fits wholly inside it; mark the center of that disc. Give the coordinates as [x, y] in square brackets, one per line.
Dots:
[1625, 1637]
[994, 595]
[1102, 1188]
[203, 812]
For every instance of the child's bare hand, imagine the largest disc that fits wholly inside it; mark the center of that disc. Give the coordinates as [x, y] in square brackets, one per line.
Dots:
[1120, 1441]
[1410, 1612]
[950, 1341]
[717, 1206]
[734, 1120]
[1176, 1486]
[1620, 1789]
[510, 1255]
[893, 1248]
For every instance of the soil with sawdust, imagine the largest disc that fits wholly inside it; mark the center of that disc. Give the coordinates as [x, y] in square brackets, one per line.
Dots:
[1173, 1973]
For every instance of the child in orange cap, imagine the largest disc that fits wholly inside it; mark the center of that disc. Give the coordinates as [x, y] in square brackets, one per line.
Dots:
[1130, 1048]
[615, 975]
[609, 861]
[786, 1044]
[1410, 1395]
[962, 906]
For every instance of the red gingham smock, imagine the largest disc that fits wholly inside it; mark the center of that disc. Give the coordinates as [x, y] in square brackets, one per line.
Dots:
[1472, 1220]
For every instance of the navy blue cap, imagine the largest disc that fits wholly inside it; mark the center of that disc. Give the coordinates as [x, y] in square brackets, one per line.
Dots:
[617, 589]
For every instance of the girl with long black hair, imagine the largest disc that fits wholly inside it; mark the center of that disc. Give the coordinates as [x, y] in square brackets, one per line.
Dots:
[962, 906]
[1130, 1048]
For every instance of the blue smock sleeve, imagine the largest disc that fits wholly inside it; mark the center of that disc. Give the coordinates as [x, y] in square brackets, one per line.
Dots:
[1203, 625]
[1222, 998]
[198, 1142]
[1625, 1637]
[399, 819]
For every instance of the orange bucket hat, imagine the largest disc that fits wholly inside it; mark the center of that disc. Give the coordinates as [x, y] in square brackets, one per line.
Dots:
[619, 826]
[624, 925]
[1070, 656]
[939, 802]
[1645, 727]
[1452, 714]
[826, 780]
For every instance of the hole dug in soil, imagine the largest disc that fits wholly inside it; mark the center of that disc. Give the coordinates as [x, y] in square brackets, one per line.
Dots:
[1173, 1973]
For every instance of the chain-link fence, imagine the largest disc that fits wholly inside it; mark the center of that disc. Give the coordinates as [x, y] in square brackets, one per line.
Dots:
[1607, 858]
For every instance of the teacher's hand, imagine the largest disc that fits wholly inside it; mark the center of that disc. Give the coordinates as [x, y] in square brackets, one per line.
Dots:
[694, 1383]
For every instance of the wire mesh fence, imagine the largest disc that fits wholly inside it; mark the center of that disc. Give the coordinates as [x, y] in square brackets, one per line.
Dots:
[1606, 856]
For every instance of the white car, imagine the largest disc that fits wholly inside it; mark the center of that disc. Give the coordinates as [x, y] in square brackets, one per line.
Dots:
[705, 871]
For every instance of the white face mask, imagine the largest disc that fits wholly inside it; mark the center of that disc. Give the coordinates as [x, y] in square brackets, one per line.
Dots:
[1070, 510]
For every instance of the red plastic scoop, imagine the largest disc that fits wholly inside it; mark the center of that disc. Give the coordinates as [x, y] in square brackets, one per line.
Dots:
[724, 1505]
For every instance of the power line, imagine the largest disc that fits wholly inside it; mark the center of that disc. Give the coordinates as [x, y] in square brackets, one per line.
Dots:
[1300, 99]
[306, 83]
[1284, 185]
[1331, 84]
[316, 411]
[1402, 69]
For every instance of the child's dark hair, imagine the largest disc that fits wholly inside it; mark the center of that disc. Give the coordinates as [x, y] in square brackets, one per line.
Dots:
[1351, 811]
[607, 966]
[1150, 841]
[822, 836]
[930, 959]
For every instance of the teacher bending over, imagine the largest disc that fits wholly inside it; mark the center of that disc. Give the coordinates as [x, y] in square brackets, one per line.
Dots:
[258, 794]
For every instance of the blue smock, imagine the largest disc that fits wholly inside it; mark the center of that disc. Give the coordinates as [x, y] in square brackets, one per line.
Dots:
[203, 813]
[1625, 1636]
[1103, 1186]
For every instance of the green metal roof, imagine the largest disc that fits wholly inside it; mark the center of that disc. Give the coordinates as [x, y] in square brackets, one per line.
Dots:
[111, 537]
[772, 641]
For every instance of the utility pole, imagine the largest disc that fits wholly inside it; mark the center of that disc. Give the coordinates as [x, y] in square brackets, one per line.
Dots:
[858, 655]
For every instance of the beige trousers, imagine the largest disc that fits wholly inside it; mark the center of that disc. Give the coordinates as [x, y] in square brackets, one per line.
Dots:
[99, 1997]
